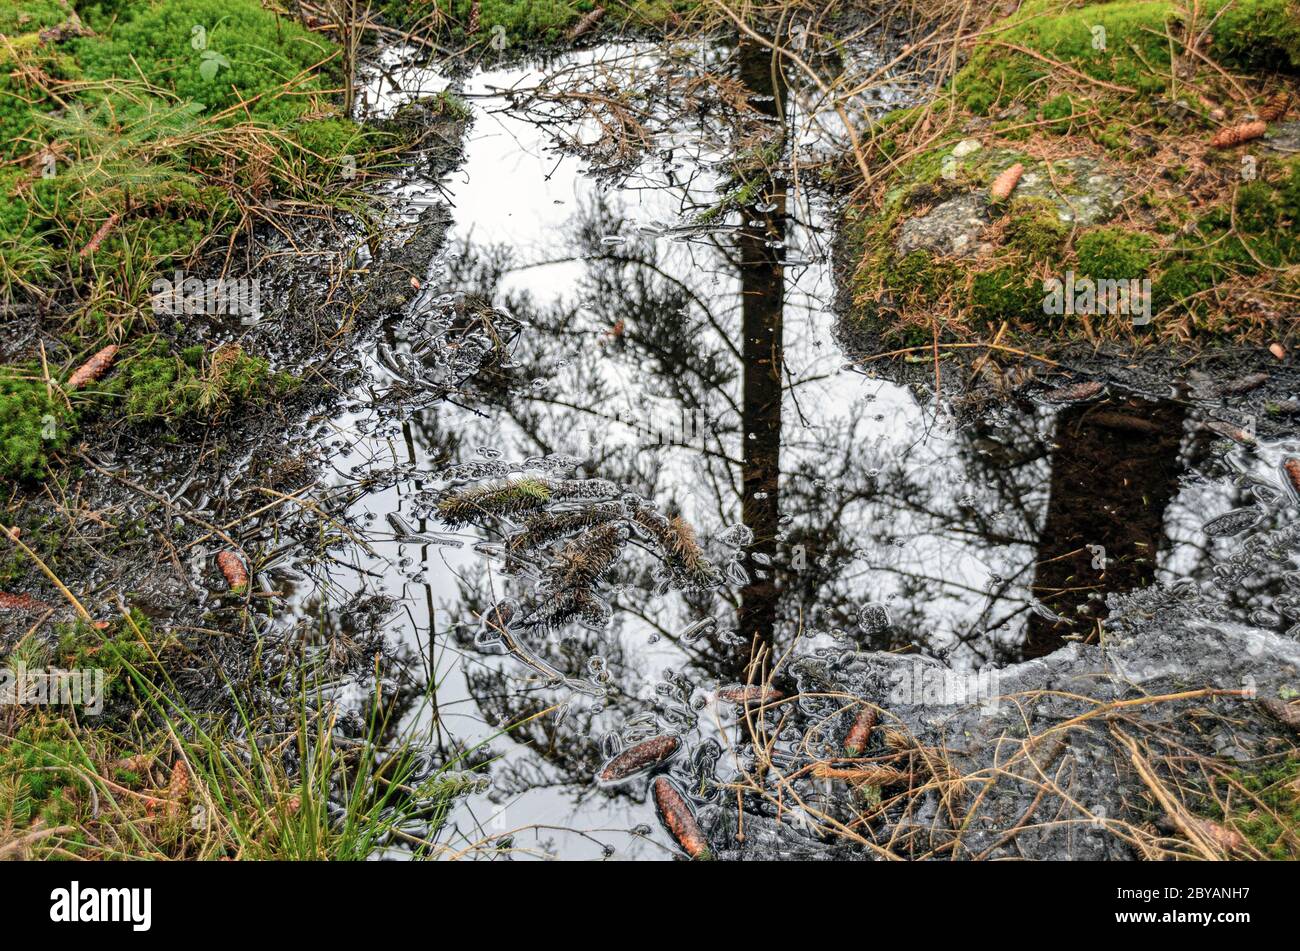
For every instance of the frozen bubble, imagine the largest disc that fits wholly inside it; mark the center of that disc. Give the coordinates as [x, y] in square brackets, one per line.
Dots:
[873, 618]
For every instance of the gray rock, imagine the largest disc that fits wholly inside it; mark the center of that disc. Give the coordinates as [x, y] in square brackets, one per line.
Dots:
[1283, 138]
[1083, 194]
[1091, 196]
[950, 229]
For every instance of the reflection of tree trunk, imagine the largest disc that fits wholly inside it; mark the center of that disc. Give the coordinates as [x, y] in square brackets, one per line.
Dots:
[762, 298]
[1114, 470]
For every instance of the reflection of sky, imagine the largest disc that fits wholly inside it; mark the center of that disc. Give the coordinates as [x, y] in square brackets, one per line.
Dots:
[514, 190]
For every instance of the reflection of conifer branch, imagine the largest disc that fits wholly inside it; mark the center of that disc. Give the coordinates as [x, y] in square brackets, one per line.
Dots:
[501, 498]
[676, 541]
[687, 548]
[594, 530]
[569, 604]
[588, 557]
[544, 529]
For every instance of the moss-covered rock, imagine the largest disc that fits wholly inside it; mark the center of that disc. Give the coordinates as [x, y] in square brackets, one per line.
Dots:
[1099, 83]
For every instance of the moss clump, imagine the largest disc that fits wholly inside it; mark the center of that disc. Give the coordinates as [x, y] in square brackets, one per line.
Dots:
[33, 423]
[1114, 253]
[155, 385]
[1034, 228]
[38, 775]
[1268, 816]
[123, 647]
[1233, 242]
[255, 52]
[1125, 44]
[1004, 293]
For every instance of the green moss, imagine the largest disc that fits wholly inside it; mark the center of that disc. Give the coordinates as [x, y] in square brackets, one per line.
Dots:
[1259, 231]
[1124, 44]
[1114, 253]
[155, 385]
[918, 278]
[1270, 819]
[255, 52]
[1034, 228]
[1059, 111]
[30, 16]
[37, 775]
[121, 648]
[1004, 293]
[33, 423]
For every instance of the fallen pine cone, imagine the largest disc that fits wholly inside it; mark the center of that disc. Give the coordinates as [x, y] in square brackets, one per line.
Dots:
[93, 368]
[1075, 393]
[749, 693]
[1276, 106]
[855, 741]
[1229, 431]
[1125, 422]
[1236, 134]
[234, 570]
[638, 758]
[21, 602]
[1005, 183]
[1291, 468]
[1251, 381]
[1283, 712]
[139, 763]
[178, 790]
[1226, 839]
[586, 24]
[679, 820]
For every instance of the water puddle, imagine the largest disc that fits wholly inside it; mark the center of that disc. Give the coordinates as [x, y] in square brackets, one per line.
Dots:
[614, 444]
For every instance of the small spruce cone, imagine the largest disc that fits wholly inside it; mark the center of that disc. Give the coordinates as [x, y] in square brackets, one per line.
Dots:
[1292, 469]
[234, 570]
[1074, 393]
[748, 693]
[679, 819]
[93, 368]
[1283, 712]
[21, 602]
[100, 234]
[1005, 183]
[1229, 431]
[855, 741]
[1276, 106]
[1220, 836]
[178, 790]
[474, 15]
[638, 758]
[1236, 134]
[586, 24]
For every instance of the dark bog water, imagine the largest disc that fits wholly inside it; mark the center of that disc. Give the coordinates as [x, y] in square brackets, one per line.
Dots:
[591, 326]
